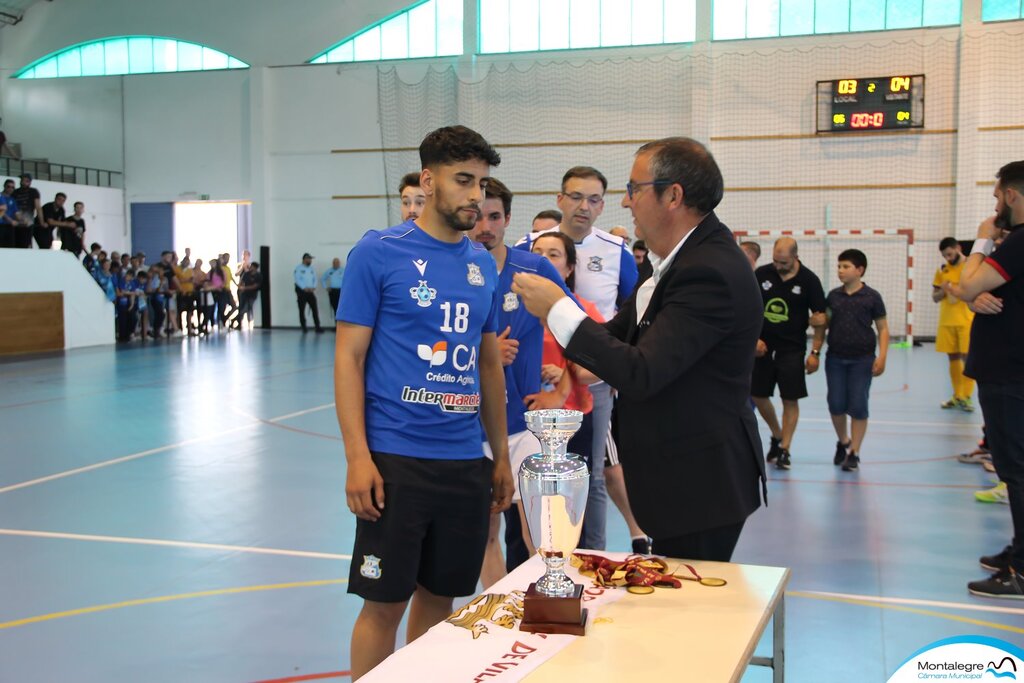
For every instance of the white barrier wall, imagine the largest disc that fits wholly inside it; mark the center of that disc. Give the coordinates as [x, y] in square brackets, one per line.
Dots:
[88, 316]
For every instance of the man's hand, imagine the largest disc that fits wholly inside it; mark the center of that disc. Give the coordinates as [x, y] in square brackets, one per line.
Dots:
[811, 366]
[501, 488]
[544, 400]
[538, 293]
[878, 367]
[508, 348]
[551, 373]
[761, 349]
[986, 304]
[364, 486]
[987, 229]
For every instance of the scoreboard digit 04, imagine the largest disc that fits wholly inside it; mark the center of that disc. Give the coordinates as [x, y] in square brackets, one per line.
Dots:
[869, 104]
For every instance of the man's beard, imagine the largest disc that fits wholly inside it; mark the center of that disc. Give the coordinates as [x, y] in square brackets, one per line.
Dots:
[455, 221]
[1004, 219]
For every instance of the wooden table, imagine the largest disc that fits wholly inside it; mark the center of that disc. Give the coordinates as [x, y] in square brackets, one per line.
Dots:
[696, 633]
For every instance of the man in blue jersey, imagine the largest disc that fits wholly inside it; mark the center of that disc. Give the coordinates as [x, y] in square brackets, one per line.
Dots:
[606, 275]
[417, 368]
[521, 340]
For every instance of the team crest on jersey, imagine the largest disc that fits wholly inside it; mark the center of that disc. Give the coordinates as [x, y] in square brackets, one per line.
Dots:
[423, 294]
[510, 303]
[474, 276]
[766, 285]
[796, 289]
[370, 567]
[594, 265]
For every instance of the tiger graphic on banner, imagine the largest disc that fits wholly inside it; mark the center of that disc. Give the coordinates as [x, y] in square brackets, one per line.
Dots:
[492, 608]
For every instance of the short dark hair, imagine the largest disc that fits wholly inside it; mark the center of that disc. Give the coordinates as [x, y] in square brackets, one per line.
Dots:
[456, 143]
[1012, 175]
[409, 180]
[553, 214]
[78, 204]
[948, 242]
[255, 265]
[854, 256]
[584, 172]
[641, 245]
[59, 195]
[95, 245]
[497, 190]
[570, 254]
[688, 163]
[752, 246]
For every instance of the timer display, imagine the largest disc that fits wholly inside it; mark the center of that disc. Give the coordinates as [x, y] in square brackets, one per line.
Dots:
[868, 104]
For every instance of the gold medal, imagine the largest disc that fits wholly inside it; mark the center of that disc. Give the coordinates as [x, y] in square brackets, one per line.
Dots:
[640, 590]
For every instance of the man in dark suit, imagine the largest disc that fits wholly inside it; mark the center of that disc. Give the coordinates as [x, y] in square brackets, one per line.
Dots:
[680, 352]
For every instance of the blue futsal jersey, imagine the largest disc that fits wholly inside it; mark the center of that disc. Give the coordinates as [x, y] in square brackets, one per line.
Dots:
[522, 378]
[428, 303]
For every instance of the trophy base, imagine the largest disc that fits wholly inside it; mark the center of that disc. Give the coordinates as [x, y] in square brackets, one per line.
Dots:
[544, 614]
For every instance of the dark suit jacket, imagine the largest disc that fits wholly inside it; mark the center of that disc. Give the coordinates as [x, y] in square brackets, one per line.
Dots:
[689, 446]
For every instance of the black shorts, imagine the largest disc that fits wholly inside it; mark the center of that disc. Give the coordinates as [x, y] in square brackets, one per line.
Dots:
[432, 531]
[785, 368]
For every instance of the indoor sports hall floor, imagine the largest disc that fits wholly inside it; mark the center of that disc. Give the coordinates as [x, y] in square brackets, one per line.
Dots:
[176, 512]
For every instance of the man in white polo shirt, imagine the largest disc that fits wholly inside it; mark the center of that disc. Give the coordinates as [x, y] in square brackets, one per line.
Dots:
[606, 275]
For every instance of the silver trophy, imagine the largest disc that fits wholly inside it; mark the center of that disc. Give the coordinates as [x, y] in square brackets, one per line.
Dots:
[554, 485]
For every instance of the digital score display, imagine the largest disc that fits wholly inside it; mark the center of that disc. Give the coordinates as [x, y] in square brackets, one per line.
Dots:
[851, 105]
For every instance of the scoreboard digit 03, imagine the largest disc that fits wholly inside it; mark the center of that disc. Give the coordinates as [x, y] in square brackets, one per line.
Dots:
[868, 104]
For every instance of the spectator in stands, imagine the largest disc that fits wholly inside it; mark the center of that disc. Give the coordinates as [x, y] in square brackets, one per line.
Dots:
[142, 302]
[545, 220]
[170, 287]
[125, 308]
[105, 279]
[199, 282]
[413, 197]
[621, 231]
[644, 269]
[92, 257]
[126, 261]
[215, 285]
[156, 292]
[29, 210]
[227, 297]
[188, 257]
[9, 217]
[331, 281]
[248, 289]
[55, 218]
[77, 234]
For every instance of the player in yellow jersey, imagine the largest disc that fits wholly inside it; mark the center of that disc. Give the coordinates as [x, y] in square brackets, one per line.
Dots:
[955, 320]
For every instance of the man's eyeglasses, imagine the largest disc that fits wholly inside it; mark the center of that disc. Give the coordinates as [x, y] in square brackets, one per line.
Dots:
[631, 187]
[576, 198]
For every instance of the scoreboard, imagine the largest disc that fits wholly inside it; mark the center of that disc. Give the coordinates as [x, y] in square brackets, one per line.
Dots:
[869, 104]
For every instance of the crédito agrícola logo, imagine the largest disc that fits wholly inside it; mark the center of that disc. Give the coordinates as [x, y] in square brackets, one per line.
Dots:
[963, 658]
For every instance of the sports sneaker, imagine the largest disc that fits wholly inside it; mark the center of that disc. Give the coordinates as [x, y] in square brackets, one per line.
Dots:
[965, 404]
[996, 494]
[840, 455]
[951, 403]
[1006, 583]
[998, 562]
[975, 457]
[773, 450]
[851, 463]
[783, 461]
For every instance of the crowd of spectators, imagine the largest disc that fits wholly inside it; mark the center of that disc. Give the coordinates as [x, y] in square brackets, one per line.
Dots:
[23, 218]
[175, 296]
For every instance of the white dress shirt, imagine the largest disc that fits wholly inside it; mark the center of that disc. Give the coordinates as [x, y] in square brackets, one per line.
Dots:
[565, 316]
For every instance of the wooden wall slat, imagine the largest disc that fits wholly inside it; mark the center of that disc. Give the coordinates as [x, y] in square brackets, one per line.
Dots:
[31, 322]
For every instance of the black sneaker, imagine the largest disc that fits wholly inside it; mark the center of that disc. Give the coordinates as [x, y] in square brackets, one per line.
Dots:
[851, 462]
[783, 462]
[773, 450]
[642, 546]
[999, 562]
[1003, 584]
[840, 455]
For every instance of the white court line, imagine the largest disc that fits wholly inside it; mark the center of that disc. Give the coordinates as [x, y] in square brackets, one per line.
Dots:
[172, 544]
[920, 603]
[153, 451]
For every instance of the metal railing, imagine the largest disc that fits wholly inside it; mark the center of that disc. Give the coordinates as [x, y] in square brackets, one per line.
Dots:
[41, 169]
